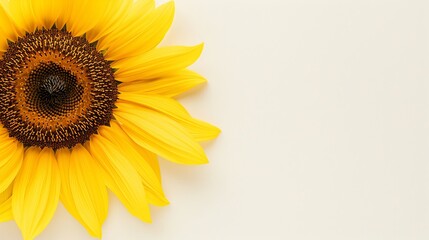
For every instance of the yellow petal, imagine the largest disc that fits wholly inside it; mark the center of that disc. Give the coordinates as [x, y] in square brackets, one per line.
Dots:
[130, 151]
[22, 14]
[143, 35]
[66, 196]
[156, 63]
[11, 156]
[46, 12]
[159, 134]
[6, 194]
[84, 191]
[139, 9]
[6, 213]
[153, 197]
[200, 131]
[6, 205]
[8, 29]
[3, 130]
[120, 176]
[65, 14]
[81, 15]
[152, 159]
[168, 86]
[116, 11]
[125, 21]
[36, 192]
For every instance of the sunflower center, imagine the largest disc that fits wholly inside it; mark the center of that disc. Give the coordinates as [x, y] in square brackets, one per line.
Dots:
[56, 90]
[51, 90]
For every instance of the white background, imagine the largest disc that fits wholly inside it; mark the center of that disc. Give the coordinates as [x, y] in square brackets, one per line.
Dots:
[324, 107]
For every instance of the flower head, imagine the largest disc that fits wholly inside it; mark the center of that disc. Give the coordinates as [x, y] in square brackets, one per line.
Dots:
[86, 105]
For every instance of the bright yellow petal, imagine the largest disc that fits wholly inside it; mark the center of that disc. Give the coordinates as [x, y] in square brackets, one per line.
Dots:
[46, 12]
[120, 176]
[66, 196]
[156, 63]
[168, 86]
[11, 156]
[116, 11]
[130, 151]
[81, 15]
[65, 14]
[6, 213]
[125, 22]
[22, 14]
[143, 35]
[5, 195]
[6, 205]
[8, 29]
[139, 9]
[152, 159]
[36, 192]
[200, 131]
[159, 134]
[84, 194]
[3, 130]
[153, 197]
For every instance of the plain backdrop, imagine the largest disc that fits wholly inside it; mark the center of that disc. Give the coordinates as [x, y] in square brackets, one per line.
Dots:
[324, 108]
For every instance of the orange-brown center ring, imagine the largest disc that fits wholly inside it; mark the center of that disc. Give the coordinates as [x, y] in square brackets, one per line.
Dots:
[56, 89]
[52, 122]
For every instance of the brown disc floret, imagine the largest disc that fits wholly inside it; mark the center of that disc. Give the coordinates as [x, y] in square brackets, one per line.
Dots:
[56, 90]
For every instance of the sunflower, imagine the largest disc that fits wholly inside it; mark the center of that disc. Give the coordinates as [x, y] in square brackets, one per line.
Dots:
[87, 105]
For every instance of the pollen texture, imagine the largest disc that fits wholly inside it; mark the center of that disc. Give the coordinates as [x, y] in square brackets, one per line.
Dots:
[56, 90]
